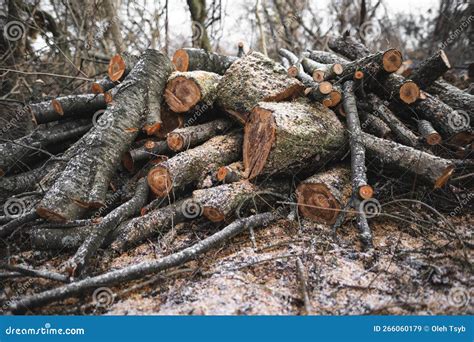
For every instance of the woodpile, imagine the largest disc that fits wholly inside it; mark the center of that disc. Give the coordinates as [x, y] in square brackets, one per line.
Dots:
[202, 136]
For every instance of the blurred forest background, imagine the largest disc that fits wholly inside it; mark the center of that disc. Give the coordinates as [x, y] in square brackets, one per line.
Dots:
[50, 47]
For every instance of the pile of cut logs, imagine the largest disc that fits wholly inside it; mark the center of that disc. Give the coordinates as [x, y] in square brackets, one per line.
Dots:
[204, 136]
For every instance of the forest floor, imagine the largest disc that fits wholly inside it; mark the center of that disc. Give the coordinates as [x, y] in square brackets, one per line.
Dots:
[412, 270]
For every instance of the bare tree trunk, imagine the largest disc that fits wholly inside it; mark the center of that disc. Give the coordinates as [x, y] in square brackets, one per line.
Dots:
[114, 25]
[198, 26]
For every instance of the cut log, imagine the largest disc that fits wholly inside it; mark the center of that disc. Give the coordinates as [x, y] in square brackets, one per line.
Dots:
[220, 202]
[186, 137]
[431, 69]
[402, 132]
[230, 173]
[326, 57]
[322, 196]
[187, 167]
[395, 87]
[252, 79]
[120, 66]
[452, 125]
[84, 181]
[434, 170]
[335, 95]
[153, 121]
[428, 133]
[373, 65]
[374, 125]
[15, 154]
[348, 46]
[171, 121]
[101, 86]
[150, 150]
[186, 89]
[453, 97]
[321, 72]
[190, 59]
[285, 137]
[358, 168]
[314, 91]
[72, 106]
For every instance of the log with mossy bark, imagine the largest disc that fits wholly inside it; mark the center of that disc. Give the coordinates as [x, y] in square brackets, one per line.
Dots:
[428, 133]
[431, 69]
[190, 59]
[251, 79]
[66, 107]
[432, 169]
[321, 72]
[17, 153]
[230, 173]
[186, 89]
[285, 137]
[322, 196]
[120, 66]
[84, 181]
[453, 96]
[187, 167]
[184, 138]
[358, 168]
